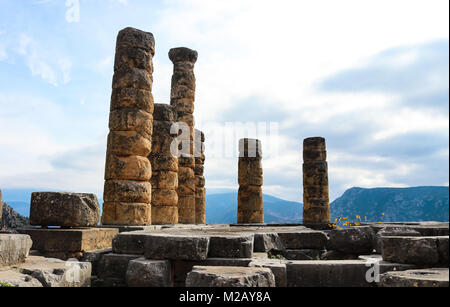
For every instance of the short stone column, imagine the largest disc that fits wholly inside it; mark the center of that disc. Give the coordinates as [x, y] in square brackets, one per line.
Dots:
[127, 192]
[200, 201]
[1, 208]
[164, 161]
[250, 196]
[182, 97]
[316, 203]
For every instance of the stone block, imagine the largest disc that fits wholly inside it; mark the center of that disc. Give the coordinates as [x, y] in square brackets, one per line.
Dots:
[212, 276]
[167, 198]
[134, 38]
[14, 248]
[94, 257]
[393, 231]
[164, 112]
[131, 214]
[133, 57]
[353, 240]
[163, 162]
[278, 268]
[165, 215]
[250, 216]
[127, 191]
[176, 247]
[265, 242]
[436, 277]
[164, 180]
[64, 209]
[114, 266]
[231, 246]
[131, 98]
[304, 239]
[127, 143]
[142, 272]
[312, 155]
[132, 120]
[17, 279]
[69, 243]
[132, 77]
[132, 242]
[302, 254]
[413, 250]
[314, 143]
[135, 168]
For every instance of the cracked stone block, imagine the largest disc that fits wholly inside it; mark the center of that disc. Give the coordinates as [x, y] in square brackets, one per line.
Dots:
[142, 272]
[176, 247]
[217, 276]
[14, 248]
[306, 239]
[231, 246]
[265, 242]
[278, 268]
[392, 231]
[353, 240]
[435, 277]
[64, 209]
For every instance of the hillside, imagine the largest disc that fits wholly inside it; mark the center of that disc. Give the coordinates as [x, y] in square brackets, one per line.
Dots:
[397, 204]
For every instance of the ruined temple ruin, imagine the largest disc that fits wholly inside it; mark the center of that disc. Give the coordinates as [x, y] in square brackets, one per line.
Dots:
[151, 193]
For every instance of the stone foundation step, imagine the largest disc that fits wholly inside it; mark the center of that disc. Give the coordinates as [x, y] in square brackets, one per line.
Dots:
[338, 273]
[14, 248]
[427, 251]
[220, 276]
[436, 277]
[69, 243]
[38, 271]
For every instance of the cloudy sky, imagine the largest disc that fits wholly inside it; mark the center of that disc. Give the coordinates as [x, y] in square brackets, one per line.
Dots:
[370, 76]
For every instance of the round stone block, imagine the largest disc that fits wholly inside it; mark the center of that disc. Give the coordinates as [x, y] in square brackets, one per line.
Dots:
[132, 120]
[127, 143]
[133, 57]
[164, 215]
[135, 168]
[132, 77]
[164, 180]
[134, 38]
[127, 191]
[131, 98]
[122, 213]
[168, 198]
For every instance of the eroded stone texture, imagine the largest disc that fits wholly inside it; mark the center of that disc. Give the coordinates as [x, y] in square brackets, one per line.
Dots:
[14, 248]
[316, 203]
[353, 240]
[278, 268]
[64, 209]
[165, 179]
[1, 207]
[216, 276]
[182, 98]
[127, 192]
[142, 272]
[414, 250]
[176, 247]
[436, 277]
[200, 191]
[250, 178]
[393, 231]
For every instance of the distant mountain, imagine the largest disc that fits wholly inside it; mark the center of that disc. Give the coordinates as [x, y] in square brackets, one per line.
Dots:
[12, 219]
[222, 208]
[397, 204]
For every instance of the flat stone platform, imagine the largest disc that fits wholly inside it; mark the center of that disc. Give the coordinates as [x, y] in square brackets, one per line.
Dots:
[69, 243]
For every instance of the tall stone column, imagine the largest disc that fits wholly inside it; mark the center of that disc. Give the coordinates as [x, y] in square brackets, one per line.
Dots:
[200, 201]
[316, 203]
[164, 166]
[250, 196]
[182, 97]
[127, 192]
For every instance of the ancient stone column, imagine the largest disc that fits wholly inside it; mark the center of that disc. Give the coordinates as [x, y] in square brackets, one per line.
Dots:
[1, 208]
[182, 97]
[127, 193]
[164, 161]
[200, 202]
[316, 203]
[250, 196]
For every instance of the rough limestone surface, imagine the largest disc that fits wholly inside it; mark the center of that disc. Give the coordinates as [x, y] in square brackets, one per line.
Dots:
[182, 97]
[14, 248]
[69, 243]
[1, 207]
[200, 191]
[301, 254]
[231, 246]
[64, 209]
[38, 271]
[250, 179]
[316, 203]
[265, 242]
[142, 272]
[94, 257]
[211, 276]
[414, 250]
[353, 240]
[305, 239]
[127, 192]
[335, 273]
[113, 268]
[392, 231]
[176, 247]
[278, 268]
[435, 277]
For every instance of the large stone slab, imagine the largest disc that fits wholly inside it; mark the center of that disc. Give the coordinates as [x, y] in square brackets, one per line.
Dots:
[265, 242]
[393, 231]
[424, 228]
[299, 254]
[142, 272]
[161, 246]
[64, 209]
[353, 240]
[278, 268]
[113, 268]
[437, 277]
[304, 239]
[231, 246]
[95, 257]
[414, 250]
[336, 273]
[217, 276]
[38, 271]
[14, 248]
[69, 243]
